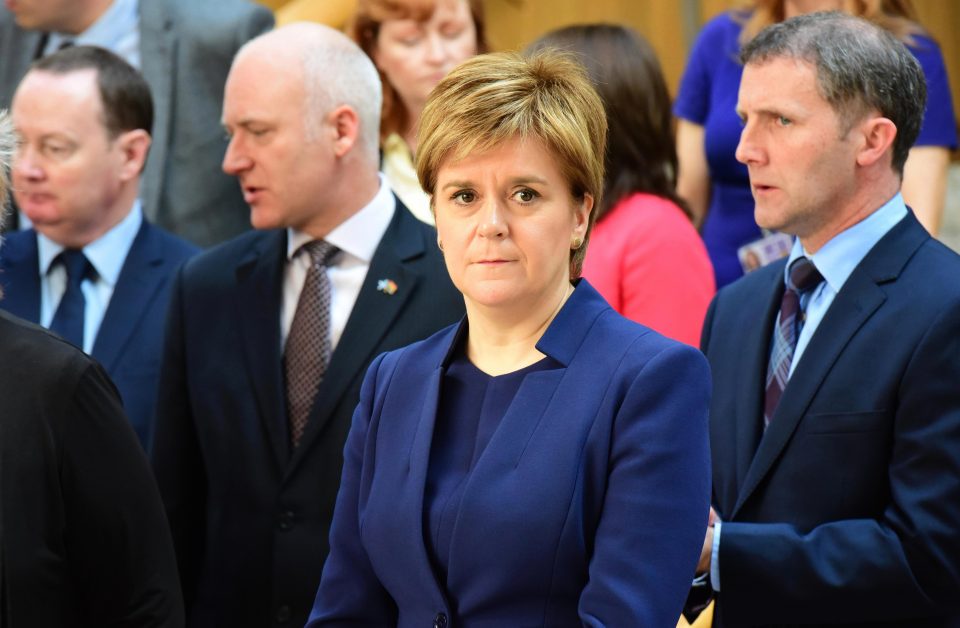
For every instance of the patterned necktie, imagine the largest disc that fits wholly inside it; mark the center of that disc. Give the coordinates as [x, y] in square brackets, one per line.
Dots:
[308, 344]
[804, 277]
[68, 319]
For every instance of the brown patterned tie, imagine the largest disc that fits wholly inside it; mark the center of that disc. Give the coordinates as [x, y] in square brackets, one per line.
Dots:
[308, 344]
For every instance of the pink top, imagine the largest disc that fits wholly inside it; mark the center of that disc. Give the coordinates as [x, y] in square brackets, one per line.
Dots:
[649, 263]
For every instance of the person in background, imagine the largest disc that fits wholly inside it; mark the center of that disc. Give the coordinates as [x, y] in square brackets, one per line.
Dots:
[717, 188]
[83, 541]
[646, 257]
[536, 464]
[91, 268]
[414, 44]
[268, 335]
[183, 48]
[835, 419]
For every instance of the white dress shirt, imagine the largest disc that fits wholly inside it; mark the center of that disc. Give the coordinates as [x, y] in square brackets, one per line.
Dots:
[106, 254]
[357, 238]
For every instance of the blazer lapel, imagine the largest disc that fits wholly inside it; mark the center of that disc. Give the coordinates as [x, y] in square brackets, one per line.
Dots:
[158, 43]
[857, 301]
[21, 276]
[140, 279]
[371, 318]
[259, 293]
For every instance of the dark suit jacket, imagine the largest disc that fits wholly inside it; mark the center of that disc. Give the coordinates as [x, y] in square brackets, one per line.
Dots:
[130, 340]
[587, 506]
[848, 508]
[84, 542]
[250, 520]
[186, 48]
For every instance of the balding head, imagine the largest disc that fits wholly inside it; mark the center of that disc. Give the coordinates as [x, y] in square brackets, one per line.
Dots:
[333, 71]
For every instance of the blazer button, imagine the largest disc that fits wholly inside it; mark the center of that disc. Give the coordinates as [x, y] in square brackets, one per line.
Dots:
[283, 614]
[440, 621]
[286, 520]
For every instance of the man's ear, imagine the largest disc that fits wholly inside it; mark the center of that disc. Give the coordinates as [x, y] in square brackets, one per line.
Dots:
[878, 135]
[345, 125]
[134, 146]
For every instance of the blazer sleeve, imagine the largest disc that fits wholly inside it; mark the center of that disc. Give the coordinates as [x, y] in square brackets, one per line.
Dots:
[905, 563]
[657, 497]
[350, 594]
[176, 457]
[116, 538]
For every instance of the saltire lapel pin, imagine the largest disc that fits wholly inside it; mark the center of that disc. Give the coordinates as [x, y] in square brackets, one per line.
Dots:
[387, 286]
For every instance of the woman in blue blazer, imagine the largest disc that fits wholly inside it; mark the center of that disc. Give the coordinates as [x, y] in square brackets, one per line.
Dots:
[545, 462]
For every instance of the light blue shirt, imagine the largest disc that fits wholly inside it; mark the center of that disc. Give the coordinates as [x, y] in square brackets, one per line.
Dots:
[117, 30]
[106, 254]
[836, 261]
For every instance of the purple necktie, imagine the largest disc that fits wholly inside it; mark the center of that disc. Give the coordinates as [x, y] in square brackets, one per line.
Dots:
[804, 277]
[308, 348]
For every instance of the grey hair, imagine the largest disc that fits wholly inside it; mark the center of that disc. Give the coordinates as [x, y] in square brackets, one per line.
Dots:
[340, 73]
[860, 67]
[8, 143]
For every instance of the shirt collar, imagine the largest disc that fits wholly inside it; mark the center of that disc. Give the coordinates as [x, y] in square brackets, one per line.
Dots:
[360, 234]
[838, 258]
[117, 22]
[106, 254]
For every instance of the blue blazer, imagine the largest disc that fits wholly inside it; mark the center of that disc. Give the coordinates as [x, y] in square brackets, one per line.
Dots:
[130, 340]
[847, 509]
[588, 506]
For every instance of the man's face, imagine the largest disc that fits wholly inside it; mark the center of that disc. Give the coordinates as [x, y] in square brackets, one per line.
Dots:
[283, 172]
[46, 15]
[68, 173]
[802, 161]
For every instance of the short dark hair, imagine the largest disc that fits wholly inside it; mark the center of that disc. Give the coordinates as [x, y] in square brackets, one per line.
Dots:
[860, 67]
[125, 95]
[623, 67]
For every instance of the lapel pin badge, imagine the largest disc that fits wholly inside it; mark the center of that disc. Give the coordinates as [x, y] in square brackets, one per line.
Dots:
[387, 286]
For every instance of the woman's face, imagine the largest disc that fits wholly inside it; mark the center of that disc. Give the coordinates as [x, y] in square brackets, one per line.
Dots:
[415, 56]
[506, 220]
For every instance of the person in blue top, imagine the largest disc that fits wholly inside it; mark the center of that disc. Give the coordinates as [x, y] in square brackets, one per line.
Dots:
[717, 187]
[533, 465]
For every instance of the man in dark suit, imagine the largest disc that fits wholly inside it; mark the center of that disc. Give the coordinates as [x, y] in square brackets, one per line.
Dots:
[82, 537]
[269, 335]
[83, 116]
[834, 420]
[184, 49]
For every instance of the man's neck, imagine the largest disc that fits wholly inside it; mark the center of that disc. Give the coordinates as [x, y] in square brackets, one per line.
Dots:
[86, 16]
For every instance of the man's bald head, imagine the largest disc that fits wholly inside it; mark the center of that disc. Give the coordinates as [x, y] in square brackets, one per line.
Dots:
[333, 70]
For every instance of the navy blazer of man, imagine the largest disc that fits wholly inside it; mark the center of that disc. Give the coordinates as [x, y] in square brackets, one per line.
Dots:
[251, 521]
[130, 340]
[587, 507]
[847, 510]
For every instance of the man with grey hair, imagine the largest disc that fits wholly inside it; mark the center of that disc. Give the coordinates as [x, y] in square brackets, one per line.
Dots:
[83, 541]
[269, 335]
[834, 421]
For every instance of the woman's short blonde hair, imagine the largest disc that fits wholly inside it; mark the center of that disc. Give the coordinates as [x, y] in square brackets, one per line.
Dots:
[7, 146]
[494, 98]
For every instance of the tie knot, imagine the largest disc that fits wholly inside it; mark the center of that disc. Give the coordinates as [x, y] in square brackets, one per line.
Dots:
[804, 275]
[320, 252]
[76, 264]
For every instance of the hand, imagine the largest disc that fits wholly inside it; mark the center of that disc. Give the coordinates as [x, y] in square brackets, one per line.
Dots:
[706, 553]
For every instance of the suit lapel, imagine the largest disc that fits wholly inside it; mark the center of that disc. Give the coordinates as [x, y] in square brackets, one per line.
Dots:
[259, 294]
[371, 318]
[857, 301]
[21, 276]
[140, 279]
[158, 43]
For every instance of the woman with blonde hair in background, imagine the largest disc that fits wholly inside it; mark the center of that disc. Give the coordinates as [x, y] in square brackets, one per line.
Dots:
[414, 44]
[717, 187]
[544, 462]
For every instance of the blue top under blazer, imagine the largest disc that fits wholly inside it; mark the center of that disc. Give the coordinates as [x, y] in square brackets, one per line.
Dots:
[587, 507]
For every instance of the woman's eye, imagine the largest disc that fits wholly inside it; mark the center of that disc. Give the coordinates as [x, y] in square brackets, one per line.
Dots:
[526, 195]
[464, 196]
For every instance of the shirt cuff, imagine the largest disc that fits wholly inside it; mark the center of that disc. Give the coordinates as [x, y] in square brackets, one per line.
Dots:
[715, 558]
